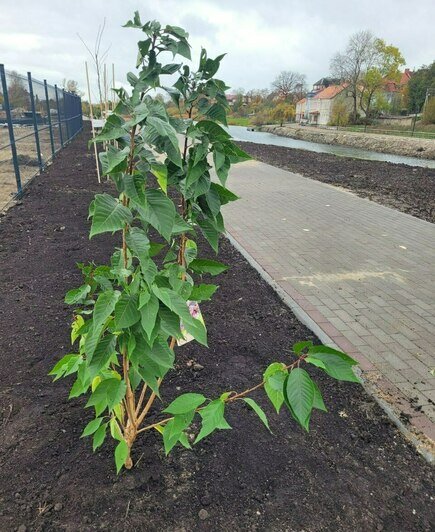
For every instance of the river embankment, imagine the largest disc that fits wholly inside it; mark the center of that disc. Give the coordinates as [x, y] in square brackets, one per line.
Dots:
[407, 146]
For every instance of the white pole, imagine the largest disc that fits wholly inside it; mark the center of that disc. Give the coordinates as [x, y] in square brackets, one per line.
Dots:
[92, 123]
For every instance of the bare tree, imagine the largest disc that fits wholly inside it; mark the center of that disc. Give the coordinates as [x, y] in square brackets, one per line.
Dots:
[289, 85]
[352, 64]
[98, 58]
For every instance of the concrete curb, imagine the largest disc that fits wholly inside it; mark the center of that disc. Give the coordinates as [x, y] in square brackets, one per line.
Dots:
[375, 392]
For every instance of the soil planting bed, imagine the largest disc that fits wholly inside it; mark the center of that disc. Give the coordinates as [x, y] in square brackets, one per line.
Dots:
[405, 188]
[354, 471]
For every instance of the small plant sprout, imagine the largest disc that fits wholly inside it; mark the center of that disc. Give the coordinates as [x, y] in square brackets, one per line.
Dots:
[131, 314]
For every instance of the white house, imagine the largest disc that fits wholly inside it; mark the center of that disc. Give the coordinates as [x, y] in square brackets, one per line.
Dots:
[317, 107]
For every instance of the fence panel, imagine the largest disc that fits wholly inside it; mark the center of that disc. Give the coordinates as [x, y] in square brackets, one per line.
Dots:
[36, 121]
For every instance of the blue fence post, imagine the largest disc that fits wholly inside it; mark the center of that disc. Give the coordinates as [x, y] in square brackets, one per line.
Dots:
[47, 101]
[58, 116]
[35, 120]
[10, 129]
[81, 113]
[66, 110]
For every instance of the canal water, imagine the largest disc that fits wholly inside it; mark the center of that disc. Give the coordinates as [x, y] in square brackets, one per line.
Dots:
[260, 137]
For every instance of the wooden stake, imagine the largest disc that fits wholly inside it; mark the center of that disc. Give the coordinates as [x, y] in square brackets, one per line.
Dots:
[91, 112]
[113, 87]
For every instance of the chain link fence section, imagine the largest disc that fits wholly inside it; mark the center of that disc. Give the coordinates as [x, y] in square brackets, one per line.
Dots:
[36, 121]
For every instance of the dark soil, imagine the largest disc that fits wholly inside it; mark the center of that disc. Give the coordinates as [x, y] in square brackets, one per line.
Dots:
[354, 471]
[402, 187]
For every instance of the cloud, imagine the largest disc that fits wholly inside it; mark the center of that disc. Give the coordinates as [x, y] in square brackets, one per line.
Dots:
[260, 38]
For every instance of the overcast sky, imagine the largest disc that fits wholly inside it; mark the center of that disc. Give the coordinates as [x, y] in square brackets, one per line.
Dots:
[261, 37]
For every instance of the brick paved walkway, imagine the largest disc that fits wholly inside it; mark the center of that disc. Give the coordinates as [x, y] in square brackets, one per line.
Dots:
[363, 272]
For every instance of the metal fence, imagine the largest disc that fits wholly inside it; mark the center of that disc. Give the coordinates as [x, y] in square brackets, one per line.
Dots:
[36, 121]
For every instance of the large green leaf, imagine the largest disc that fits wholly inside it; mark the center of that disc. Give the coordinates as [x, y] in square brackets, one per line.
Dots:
[210, 232]
[274, 378]
[137, 240]
[185, 403]
[121, 454]
[178, 305]
[161, 353]
[160, 171]
[77, 295]
[334, 366]
[160, 212]
[114, 160]
[126, 311]
[299, 395]
[225, 195]
[156, 128]
[148, 314]
[104, 306]
[104, 350]
[107, 394]
[112, 129]
[173, 430]
[203, 292]
[109, 215]
[212, 418]
[212, 267]
[258, 410]
[91, 427]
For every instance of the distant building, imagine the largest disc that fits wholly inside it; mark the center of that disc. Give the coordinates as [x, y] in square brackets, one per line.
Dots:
[317, 107]
[393, 90]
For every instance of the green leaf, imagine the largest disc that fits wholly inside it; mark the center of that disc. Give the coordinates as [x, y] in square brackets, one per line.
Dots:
[299, 395]
[108, 394]
[214, 131]
[126, 311]
[160, 212]
[91, 427]
[66, 365]
[99, 436]
[212, 418]
[103, 353]
[156, 128]
[195, 172]
[190, 251]
[274, 378]
[138, 242]
[104, 306]
[77, 295]
[112, 129]
[318, 399]
[225, 195]
[170, 322]
[109, 215]
[121, 455]
[178, 305]
[114, 160]
[185, 403]
[173, 431]
[148, 314]
[161, 354]
[212, 267]
[161, 173]
[217, 112]
[210, 232]
[335, 366]
[259, 411]
[203, 292]
[300, 346]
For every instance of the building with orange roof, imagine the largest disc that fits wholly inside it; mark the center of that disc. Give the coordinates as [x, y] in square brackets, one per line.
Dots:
[317, 107]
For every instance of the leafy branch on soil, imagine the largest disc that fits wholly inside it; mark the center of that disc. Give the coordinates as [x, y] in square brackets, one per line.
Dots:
[132, 313]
